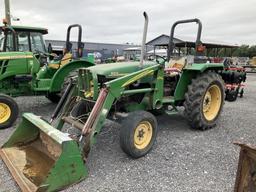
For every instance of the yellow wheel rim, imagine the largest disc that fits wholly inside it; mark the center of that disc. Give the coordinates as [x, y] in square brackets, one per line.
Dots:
[5, 112]
[212, 102]
[143, 135]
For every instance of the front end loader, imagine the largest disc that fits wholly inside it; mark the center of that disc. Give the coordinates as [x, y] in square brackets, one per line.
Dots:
[43, 157]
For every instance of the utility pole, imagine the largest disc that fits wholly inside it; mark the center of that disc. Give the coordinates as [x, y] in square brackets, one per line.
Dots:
[7, 11]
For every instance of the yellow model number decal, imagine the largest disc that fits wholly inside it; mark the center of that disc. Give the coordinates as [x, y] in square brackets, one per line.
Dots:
[137, 77]
[16, 57]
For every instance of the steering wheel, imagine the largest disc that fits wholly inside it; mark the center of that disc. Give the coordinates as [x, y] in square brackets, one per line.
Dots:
[160, 59]
[41, 56]
[40, 53]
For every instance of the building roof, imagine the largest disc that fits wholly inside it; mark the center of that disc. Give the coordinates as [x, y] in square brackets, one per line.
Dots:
[163, 40]
[207, 45]
[133, 49]
[157, 51]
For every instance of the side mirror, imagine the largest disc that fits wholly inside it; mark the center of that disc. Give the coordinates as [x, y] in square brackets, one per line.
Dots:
[49, 48]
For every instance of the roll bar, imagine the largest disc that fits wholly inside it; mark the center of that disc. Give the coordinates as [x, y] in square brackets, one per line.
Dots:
[171, 42]
[80, 45]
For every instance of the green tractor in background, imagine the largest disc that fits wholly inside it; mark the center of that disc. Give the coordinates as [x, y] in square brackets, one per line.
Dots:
[43, 157]
[27, 68]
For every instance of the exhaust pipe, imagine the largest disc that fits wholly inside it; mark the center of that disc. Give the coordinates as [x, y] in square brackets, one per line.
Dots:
[143, 45]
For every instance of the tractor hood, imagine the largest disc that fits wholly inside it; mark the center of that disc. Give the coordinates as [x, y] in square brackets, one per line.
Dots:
[117, 69]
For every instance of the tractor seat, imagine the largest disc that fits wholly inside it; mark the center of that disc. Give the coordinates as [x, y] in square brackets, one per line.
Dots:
[175, 66]
[64, 60]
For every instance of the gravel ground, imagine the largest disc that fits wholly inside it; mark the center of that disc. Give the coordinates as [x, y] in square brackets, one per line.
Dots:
[181, 160]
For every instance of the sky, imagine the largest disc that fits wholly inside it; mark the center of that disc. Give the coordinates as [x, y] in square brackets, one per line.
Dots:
[121, 21]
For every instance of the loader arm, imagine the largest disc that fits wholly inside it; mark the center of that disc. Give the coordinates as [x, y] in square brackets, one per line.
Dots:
[115, 89]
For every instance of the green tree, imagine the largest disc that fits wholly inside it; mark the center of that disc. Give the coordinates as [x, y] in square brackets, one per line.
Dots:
[252, 51]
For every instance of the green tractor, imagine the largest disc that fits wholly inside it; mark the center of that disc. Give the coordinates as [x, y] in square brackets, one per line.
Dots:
[43, 157]
[26, 68]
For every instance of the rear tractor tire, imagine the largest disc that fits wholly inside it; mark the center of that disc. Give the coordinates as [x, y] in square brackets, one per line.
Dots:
[204, 100]
[9, 111]
[55, 97]
[138, 133]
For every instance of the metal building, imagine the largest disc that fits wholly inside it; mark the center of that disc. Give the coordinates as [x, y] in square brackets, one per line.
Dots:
[106, 50]
[158, 45]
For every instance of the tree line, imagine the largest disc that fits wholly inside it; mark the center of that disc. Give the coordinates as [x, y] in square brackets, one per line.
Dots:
[241, 51]
[245, 51]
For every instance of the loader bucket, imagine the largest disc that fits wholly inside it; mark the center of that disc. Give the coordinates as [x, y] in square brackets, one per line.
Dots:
[42, 158]
[246, 171]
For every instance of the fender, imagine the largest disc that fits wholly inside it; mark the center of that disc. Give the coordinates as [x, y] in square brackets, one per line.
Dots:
[59, 76]
[190, 72]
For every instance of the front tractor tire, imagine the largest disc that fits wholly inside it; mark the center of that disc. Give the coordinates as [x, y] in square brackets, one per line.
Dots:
[138, 133]
[204, 100]
[9, 111]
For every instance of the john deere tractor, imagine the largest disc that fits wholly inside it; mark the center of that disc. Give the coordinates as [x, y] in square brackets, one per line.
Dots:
[26, 68]
[43, 157]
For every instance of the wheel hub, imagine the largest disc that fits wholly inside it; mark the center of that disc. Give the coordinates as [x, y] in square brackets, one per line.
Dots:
[212, 102]
[207, 101]
[143, 135]
[5, 112]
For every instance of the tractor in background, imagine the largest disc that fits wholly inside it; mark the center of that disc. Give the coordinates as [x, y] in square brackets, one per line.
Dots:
[45, 157]
[28, 69]
[250, 66]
